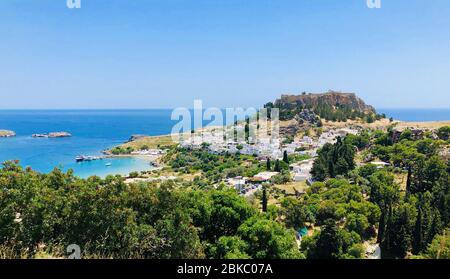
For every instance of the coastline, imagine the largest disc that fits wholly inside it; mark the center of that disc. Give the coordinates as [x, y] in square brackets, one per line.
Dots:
[162, 141]
[88, 141]
[121, 165]
[165, 140]
[150, 158]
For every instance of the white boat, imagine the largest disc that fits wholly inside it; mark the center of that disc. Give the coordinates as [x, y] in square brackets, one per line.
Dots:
[79, 159]
[83, 158]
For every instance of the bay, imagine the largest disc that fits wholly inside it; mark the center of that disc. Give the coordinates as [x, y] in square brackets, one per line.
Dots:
[96, 130]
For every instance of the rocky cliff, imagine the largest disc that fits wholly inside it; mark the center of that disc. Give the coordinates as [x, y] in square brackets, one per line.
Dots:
[306, 110]
[332, 98]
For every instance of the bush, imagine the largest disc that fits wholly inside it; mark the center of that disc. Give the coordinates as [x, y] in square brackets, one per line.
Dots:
[444, 133]
[356, 251]
[133, 174]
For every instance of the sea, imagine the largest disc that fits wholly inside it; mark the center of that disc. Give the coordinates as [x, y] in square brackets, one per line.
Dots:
[96, 130]
[92, 132]
[417, 114]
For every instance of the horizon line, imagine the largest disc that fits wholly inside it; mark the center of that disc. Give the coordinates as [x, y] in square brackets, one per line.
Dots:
[166, 108]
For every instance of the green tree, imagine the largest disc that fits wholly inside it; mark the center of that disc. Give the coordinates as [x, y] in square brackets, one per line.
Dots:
[319, 170]
[277, 167]
[334, 160]
[385, 193]
[357, 223]
[228, 212]
[229, 247]
[439, 247]
[264, 199]
[268, 240]
[296, 213]
[285, 157]
[444, 133]
[399, 231]
[329, 243]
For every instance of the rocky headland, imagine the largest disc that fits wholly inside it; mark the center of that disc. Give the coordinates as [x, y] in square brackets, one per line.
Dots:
[53, 135]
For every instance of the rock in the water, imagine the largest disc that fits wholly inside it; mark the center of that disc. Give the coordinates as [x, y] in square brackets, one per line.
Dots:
[59, 135]
[7, 134]
[53, 135]
[40, 135]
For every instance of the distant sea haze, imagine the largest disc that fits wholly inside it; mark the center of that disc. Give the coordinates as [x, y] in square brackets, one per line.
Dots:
[96, 130]
[417, 114]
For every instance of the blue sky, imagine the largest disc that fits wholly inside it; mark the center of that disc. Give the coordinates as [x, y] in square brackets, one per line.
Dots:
[166, 53]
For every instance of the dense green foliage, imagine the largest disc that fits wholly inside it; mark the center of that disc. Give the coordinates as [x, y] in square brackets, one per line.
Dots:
[342, 211]
[407, 219]
[121, 150]
[214, 167]
[444, 133]
[404, 207]
[439, 248]
[411, 220]
[334, 160]
[108, 218]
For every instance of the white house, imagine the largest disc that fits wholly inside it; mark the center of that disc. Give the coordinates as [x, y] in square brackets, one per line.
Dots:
[302, 170]
[238, 182]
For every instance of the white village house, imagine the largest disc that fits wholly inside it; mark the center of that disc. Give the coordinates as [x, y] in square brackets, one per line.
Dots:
[302, 170]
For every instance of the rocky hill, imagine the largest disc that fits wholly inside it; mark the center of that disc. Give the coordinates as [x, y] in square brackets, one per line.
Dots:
[301, 112]
[331, 98]
[333, 106]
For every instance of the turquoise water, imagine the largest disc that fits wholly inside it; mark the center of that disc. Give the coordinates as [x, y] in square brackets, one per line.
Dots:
[92, 130]
[102, 168]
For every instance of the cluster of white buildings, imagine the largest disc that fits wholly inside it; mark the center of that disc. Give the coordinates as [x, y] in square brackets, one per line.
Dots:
[248, 185]
[300, 145]
[267, 147]
[332, 135]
